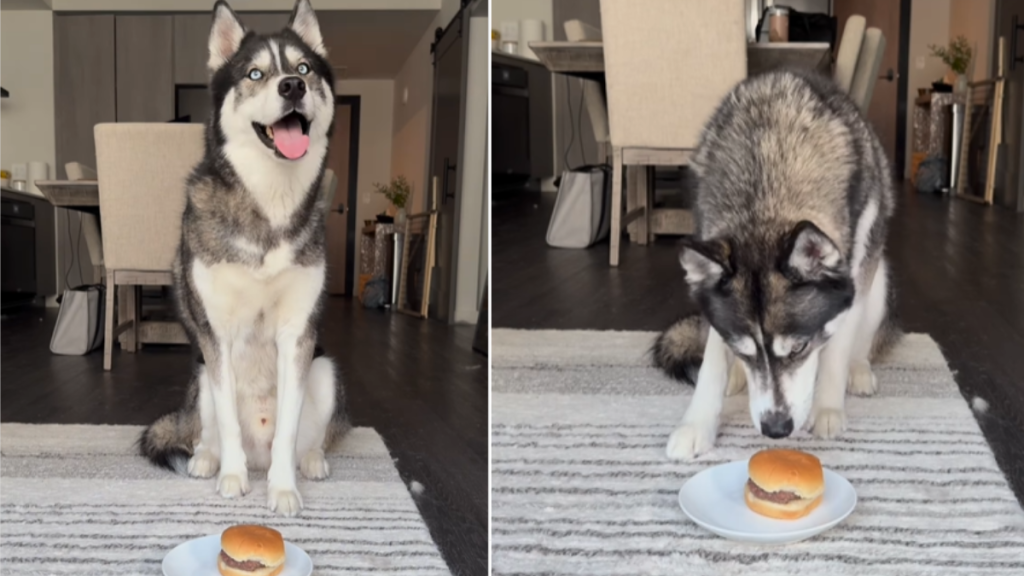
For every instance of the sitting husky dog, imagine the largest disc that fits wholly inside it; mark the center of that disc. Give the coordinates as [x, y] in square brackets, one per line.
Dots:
[249, 273]
[787, 266]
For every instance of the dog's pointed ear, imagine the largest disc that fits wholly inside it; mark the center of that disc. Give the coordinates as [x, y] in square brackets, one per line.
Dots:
[226, 36]
[810, 253]
[705, 260]
[303, 21]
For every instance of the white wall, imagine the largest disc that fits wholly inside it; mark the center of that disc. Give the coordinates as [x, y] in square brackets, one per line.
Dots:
[375, 115]
[474, 163]
[975, 20]
[929, 24]
[26, 71]
[413, 97]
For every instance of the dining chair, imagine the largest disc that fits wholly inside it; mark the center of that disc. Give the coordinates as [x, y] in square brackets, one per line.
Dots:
[593, 95]
[858, 59]
[328, 187]
[141, 170]
[666, 68]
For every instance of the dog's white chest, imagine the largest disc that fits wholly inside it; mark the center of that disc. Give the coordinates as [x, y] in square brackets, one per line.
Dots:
[238, 298]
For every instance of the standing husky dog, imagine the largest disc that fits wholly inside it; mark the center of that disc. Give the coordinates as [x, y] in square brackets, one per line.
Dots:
[794, 194]
[250, 268]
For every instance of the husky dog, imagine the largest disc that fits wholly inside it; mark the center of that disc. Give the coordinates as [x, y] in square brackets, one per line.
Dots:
[249, 273]
[787, 266]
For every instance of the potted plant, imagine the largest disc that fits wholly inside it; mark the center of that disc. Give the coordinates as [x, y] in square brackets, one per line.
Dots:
[958, 57]
[397, 192]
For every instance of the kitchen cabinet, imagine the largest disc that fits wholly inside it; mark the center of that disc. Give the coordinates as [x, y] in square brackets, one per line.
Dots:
[145, 68]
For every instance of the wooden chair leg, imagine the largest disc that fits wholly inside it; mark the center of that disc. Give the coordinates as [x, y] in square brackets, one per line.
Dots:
[634, 177]
[643, 184]
[616, 229]
[108, 328]
[128, 305]
[136, 318]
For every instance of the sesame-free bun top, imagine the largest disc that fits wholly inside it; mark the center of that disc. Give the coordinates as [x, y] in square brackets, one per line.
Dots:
[250, 542]
[787, 471]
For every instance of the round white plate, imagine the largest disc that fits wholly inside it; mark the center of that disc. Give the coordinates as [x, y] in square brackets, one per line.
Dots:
[714, 500]
[199, 558]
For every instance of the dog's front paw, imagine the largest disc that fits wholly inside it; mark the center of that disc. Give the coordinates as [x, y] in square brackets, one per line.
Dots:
[314, 466]
[233, 485]
[284, 501]
[829, 423]
[691, 440]
[862, 379]
[737, 379]
[203, 465]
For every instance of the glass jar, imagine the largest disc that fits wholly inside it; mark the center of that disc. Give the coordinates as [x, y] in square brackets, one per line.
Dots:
[778, 24]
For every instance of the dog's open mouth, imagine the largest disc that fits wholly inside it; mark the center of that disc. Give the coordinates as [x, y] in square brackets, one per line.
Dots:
[289, 136]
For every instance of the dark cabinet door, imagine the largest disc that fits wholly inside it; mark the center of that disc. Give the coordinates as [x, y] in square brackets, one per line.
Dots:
[145, 68]
[83, 84]
[449, 86]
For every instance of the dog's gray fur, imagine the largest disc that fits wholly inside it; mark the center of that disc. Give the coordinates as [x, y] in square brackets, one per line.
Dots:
[249, 272]
[794, 193]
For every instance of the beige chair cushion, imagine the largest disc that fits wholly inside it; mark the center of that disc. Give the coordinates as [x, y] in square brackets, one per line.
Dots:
[668, 64]
[142, 170]
[849, 51]
[871, 51]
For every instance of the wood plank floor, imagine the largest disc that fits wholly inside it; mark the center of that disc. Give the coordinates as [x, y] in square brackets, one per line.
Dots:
[958, 267]
[418, 383]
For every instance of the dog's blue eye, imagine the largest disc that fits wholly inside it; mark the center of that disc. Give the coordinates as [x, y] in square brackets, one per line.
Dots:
[303, 68]
[255, 74]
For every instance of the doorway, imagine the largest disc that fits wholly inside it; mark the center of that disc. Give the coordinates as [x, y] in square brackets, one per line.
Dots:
[343, 160]
[887, 113]
[1009, 24]
[446, 144]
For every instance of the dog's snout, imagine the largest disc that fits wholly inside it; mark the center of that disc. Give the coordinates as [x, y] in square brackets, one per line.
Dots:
[776, 425]
[292, 88]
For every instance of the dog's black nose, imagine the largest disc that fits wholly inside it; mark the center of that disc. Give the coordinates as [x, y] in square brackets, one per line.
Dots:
[292, 88]
[776, 425]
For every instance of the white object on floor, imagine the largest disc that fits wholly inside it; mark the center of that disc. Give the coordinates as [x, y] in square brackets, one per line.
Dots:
[979, 405]
[714, 500]
[199, 556]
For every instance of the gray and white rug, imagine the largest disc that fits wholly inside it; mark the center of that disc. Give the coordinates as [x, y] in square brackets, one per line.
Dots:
[581, 484]
[79, 500]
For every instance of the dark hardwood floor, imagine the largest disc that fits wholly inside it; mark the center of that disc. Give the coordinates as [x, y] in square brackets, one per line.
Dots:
[417, 382]
[958, 267]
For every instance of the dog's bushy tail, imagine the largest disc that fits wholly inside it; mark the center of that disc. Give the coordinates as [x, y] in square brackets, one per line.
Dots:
[168, 441]
[679, 350]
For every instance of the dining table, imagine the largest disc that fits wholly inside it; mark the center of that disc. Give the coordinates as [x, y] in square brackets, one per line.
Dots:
[84, 196]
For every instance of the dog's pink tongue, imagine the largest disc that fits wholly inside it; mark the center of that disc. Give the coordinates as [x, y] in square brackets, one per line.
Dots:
[289, 139]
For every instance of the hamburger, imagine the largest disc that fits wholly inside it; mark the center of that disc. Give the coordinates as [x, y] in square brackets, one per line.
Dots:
[249, 550]
[784, 484]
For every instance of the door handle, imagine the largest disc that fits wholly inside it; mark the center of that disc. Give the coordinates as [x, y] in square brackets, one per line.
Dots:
[448, 167]
[890, 76]
[340, 209]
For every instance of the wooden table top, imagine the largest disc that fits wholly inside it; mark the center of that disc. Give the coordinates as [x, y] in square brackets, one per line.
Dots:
[586, 59]
[81, 195]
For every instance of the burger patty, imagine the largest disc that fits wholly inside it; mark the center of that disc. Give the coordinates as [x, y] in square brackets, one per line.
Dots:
[776, 497]
[248, 565]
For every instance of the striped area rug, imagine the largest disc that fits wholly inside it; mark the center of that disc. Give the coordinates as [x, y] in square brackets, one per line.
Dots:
[78, 500]
[581, 483]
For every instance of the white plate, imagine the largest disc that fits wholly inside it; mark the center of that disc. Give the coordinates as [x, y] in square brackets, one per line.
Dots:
[199, 558]
[714, 500]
